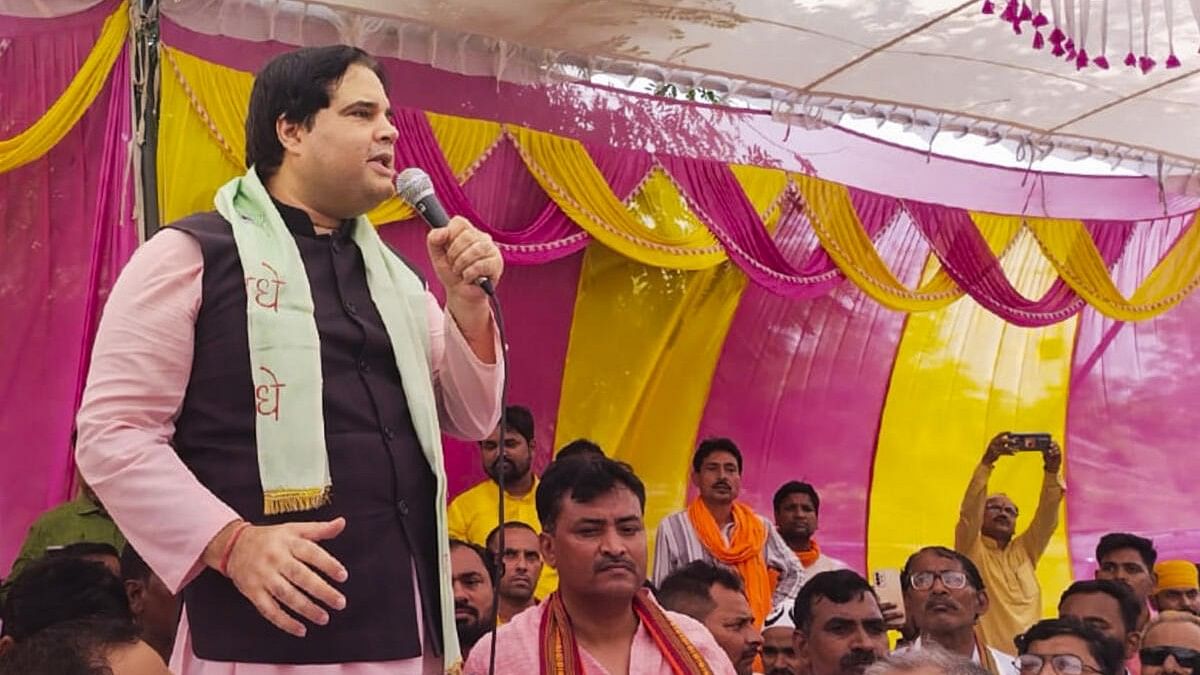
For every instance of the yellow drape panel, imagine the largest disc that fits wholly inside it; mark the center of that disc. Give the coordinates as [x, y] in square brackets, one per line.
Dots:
[75, 100]
[1070, 248]
[644, 344]
[567, 173]
[764, 188]
[842, 235]
[464, 141]
[964, 364]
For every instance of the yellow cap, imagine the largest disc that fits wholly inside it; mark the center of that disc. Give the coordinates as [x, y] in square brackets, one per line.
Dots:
[1176, 574]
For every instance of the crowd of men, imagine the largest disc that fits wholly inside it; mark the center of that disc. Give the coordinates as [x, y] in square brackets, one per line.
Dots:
[565, 584]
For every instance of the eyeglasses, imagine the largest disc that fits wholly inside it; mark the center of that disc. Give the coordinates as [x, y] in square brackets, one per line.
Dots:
[1063, 664]
[1156, 656]
[923, 581]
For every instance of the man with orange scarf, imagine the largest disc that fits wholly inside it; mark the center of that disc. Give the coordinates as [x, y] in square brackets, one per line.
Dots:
[601, 619]
[718, 528]
[797, 509]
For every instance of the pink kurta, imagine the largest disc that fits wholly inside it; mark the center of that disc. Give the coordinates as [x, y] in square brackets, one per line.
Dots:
[518, 648]
[141, 363]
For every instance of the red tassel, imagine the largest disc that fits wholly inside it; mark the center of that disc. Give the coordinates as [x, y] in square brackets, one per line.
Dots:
[1173, 61]
[1130, 60]
[1081, 60]
[989, 7]
[1057, 36]
[1038, 40]
[1040, 20]
[1146, 64]
[1101, 62]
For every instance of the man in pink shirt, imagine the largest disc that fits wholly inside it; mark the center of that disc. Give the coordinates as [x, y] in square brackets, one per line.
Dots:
[268, 388]
[601, 621]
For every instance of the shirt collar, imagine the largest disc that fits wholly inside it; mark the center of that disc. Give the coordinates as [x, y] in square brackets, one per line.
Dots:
[299, 223]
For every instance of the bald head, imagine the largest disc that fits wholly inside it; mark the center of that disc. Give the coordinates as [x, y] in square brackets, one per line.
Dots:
[999, 518]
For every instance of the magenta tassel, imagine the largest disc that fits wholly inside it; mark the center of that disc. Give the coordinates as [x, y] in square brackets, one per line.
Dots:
[1081, 60]
[1038, 40]
[1146, 64]
[1070, 47]
[1173, 61]
[989, 7]
[1026, 13]
[1130, 60]
[1058, 50]
[1010, 11]
[1101, 62]
[1057, 36]
[1016, 27]
[1040, 20]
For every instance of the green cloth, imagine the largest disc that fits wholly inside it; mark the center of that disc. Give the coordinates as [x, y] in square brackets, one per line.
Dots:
[76, 521]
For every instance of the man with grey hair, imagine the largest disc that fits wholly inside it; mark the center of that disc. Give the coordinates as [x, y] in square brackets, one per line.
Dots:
[932, 660]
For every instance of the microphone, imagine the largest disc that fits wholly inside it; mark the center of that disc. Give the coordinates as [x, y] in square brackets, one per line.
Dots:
[414, 186]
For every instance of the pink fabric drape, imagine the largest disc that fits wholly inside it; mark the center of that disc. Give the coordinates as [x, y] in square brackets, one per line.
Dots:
[67, 232]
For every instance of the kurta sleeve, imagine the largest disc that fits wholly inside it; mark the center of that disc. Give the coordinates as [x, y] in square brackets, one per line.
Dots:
[970, 515]
[467, 389]
[141, 363]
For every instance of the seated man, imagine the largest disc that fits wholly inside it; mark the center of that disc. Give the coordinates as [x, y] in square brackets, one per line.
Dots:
[474, 593]
[522, 561]
[778, 652]
[986, 533]
[839, 626]
[84, 646]
[476, 512]
[155, 609]
[1109, 607]
[945, 596]
[930, 660]
[1129, 559]
[54, 590]
[1067, 647]
[601, 619]
[1171, 645]
[1178, 587]
[713, 596]
[797, 514]
[81, 519]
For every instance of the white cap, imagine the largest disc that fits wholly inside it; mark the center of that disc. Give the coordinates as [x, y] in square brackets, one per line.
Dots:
[780, 616]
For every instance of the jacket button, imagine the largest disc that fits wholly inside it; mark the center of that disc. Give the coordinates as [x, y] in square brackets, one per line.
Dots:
[388, 433]
[364, 366]
[402, 507]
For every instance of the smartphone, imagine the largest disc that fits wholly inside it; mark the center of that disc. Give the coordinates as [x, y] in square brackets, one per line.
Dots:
[1030, 442]
[887, 587]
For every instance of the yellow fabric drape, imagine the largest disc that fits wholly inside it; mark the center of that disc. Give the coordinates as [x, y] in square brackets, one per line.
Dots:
[1070, 247]
[965, 364]
[643, 348]
[567, 173]
[842, 235]
[64, 113]
[464, 141]
[765, 188]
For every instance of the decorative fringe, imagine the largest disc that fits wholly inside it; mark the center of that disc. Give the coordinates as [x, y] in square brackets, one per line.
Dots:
[1057, 36]
[989, 7]
[291, 501]
[1130, 60]
[1081, 60]
[1101, 62]
[1173, 61]
[1038, 40]
[1040, 20]
[1146, 64]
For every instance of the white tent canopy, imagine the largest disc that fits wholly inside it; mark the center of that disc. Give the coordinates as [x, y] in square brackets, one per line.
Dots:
[938, 66]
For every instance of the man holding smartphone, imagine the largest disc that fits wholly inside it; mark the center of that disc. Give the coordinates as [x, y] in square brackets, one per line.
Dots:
[985, 534]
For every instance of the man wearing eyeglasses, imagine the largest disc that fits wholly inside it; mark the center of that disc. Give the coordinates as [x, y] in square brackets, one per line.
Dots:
[1067, 646]
[945, 596]
[1008, 563]
[1171, 645]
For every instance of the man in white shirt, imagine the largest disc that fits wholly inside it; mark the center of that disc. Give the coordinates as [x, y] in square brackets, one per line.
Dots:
[945, 596]
[797, 512]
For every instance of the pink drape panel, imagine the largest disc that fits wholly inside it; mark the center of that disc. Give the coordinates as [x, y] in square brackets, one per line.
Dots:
[64, 241]
[1131, 423]
[801, 384]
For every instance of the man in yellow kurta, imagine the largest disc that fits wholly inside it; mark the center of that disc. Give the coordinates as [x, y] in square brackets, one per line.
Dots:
[1009, 564]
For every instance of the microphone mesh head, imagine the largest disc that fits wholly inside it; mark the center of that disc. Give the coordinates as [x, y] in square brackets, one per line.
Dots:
[413, 185]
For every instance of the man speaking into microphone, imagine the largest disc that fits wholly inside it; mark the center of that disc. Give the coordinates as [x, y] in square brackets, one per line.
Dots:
[267, 391]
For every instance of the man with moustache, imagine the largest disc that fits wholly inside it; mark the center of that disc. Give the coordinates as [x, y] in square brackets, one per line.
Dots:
[778, 653]
[797, 514]
[474, 598]
[601, 619]
[945, 596]
[1007, 562]
[840, 628]
[718, 528]
[1129, 559]
[713, 596]
[521, 560]
[473, 514]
